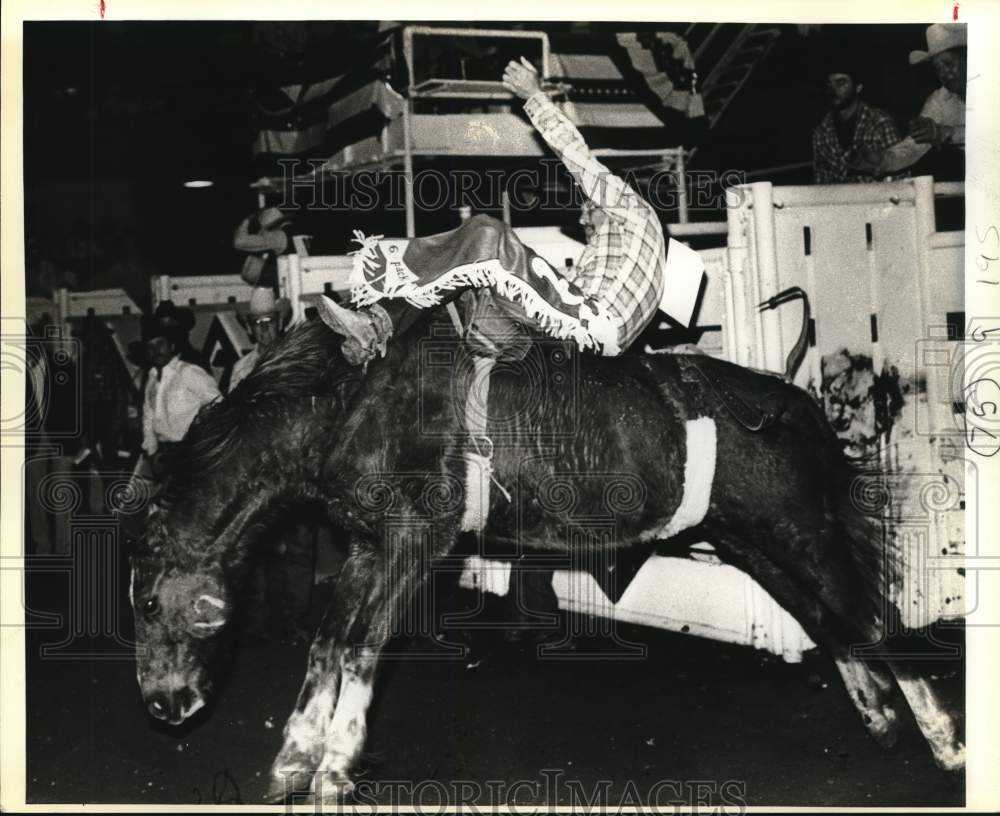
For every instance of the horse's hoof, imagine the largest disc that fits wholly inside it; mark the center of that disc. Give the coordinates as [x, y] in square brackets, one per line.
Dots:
[950, 759]
[332, 788]
[288, 785]
[887, 735]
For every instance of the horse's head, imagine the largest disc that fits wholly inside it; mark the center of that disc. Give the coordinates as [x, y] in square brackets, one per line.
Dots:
[181, 610]
[243, 459]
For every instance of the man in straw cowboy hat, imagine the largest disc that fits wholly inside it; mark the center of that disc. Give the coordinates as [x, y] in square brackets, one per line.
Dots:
[938, 133]
[266, 317]
[603, 304]
[262, 236]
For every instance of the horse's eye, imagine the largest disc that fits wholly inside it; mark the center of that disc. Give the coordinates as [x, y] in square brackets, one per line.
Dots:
[151, 607]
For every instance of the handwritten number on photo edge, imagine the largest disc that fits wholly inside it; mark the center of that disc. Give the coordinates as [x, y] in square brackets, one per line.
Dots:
[978, 335]
[971, 407]
[983, 261]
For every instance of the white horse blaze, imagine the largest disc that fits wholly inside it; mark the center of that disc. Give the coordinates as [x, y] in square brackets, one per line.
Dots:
[699, 473]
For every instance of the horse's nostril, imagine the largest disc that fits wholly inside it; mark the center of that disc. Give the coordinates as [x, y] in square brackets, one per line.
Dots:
[159, 706]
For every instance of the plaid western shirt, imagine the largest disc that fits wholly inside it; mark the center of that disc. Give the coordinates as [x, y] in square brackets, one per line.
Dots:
[873, 131]
[623, 263]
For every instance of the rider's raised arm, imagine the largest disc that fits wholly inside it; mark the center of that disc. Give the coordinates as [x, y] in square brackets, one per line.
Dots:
[602, 187]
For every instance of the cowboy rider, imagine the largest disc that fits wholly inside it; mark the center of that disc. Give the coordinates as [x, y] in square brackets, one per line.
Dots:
[603, 303]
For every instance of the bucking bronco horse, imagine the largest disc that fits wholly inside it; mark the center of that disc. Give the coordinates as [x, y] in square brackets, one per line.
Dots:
[382, 448]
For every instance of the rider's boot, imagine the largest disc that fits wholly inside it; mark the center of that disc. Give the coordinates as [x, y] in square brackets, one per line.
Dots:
[366, 331]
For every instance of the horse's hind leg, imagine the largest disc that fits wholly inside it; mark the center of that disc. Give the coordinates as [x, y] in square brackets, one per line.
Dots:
[869, 687]
[832, 587]
[868, 683]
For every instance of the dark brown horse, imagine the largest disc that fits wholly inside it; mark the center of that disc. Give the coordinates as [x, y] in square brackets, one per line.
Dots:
[382, 450]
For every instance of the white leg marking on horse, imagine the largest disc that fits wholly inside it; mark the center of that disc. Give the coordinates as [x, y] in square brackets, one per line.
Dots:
[866, 694]
[346, 735]
[935, 723]
[699, 473]
[304, 730]
[302, 746]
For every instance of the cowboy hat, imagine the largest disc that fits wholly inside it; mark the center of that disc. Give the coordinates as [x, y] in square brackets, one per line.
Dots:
[168, 320]
[940, 37]
[263, 233]
[271, 218]
[174, 317]
[152, 328]
[264, 303]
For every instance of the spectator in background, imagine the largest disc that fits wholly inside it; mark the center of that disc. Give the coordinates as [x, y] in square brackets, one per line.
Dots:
[850, 129]
[266, 319]
[936, 141]
[262, 236]
[179, 322]
[175, 391]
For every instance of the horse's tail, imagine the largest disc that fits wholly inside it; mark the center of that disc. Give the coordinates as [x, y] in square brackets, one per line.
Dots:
[858, 502]
[861, 497]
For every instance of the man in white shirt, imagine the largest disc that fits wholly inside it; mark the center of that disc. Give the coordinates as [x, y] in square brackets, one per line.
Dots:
[175, 392]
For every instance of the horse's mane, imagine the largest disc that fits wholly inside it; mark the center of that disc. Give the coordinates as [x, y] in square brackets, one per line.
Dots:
[305, 363]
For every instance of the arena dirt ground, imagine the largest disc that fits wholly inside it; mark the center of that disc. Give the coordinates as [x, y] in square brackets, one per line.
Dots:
[694, 720]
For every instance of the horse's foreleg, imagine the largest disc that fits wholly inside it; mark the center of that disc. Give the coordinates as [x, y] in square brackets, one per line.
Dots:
[935, 723]
[326, 733]
[347, 730]
[305, 731]
[388, 594]
[302, 748]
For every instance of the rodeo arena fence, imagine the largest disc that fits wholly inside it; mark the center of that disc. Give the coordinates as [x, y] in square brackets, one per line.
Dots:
[883, 284]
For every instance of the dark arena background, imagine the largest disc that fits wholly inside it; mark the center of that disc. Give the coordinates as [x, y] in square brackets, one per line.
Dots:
[155, 155]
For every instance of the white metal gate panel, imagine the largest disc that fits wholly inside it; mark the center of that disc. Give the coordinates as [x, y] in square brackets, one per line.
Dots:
[882, 283]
